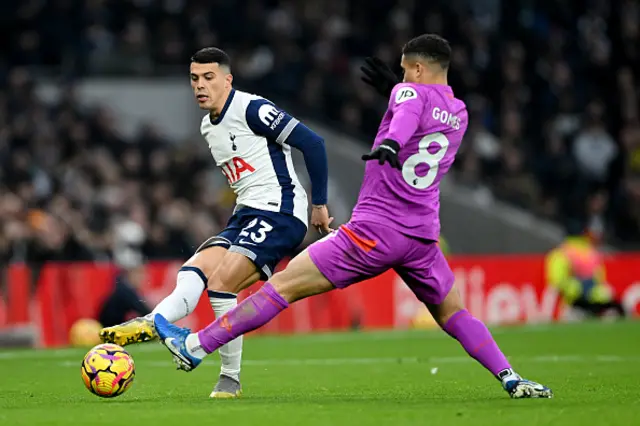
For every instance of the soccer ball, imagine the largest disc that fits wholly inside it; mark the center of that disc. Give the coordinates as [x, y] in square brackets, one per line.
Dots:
[108, 370]
[85, 332]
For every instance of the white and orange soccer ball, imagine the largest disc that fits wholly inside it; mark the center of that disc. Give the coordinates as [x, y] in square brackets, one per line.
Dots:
[108, 370]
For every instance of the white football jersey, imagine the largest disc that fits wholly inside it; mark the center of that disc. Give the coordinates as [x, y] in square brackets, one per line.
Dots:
[248, 141]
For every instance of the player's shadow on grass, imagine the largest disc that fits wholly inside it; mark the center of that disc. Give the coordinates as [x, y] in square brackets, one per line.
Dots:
[161, 399]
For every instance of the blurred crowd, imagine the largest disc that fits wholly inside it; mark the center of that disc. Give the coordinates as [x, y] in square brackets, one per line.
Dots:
[551, 88]
[73, 188]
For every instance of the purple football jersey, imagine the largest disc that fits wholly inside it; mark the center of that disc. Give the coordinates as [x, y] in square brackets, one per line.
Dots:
[428, 122]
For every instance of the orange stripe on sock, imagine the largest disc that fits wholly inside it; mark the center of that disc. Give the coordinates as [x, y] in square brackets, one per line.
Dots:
[365, 245]
[481, 345]
[271, 300]
[455, 320]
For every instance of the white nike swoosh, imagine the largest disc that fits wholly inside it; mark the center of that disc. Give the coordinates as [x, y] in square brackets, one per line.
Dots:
[243, 241]
[168, 342]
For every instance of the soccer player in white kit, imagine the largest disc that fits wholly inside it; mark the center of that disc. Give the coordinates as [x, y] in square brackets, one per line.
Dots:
[250, 139]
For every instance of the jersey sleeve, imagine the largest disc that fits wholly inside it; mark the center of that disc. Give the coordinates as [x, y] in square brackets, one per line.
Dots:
[406, 104]
[265, 119]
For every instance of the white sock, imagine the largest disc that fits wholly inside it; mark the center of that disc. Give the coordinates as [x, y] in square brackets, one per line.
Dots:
[231, 353]
[508, 375]
[194, 347]
[190, 284]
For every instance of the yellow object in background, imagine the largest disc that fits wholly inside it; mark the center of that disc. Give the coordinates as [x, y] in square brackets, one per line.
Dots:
[566, 268]
[444, 246]
[424, 320]
[85, 332]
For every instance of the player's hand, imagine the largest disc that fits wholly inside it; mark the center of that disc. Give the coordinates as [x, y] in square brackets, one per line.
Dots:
[321, 220]
[387, 151]
[378, 75]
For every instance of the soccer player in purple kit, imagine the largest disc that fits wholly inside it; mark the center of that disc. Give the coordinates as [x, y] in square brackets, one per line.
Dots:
[395, 224]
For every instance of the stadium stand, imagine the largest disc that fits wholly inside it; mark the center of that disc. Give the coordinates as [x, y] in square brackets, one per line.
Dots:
[554, 115]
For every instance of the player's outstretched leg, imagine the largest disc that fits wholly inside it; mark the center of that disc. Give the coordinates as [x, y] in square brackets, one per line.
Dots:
[476, 339]
[190, 283]
[181, 302]
[299, 280]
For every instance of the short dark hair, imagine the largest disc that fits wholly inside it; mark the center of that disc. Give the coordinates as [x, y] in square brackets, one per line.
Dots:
[210, 55]
[431, 47]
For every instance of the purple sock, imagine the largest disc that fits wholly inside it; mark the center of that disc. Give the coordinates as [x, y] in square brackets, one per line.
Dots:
[476, 339]
[253, 312]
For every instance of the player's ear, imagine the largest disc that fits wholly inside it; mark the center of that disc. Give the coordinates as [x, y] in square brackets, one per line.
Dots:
[420, 69]
[229, 79]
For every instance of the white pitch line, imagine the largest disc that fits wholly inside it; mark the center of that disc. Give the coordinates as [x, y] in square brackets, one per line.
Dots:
[39, 354]
[390, 360]
[319, 337]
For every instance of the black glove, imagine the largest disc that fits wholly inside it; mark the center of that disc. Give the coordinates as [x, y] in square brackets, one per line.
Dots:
[378, 75]
[386, 151]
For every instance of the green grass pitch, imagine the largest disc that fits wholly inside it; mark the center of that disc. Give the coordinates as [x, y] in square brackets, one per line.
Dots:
[381, 378]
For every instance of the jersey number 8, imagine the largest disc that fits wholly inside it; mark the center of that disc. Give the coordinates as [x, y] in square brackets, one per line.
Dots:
[423, 156]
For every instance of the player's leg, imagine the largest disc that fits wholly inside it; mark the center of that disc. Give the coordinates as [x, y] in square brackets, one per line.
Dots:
[299, 280]
[235, 273]
[354, 253]
[477, 340]
[598, 308]
[191, 281]
[263, 240]
[615, 306]
[428, 275]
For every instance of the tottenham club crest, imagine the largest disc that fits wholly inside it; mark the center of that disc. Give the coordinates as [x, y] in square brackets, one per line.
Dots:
[232, 137]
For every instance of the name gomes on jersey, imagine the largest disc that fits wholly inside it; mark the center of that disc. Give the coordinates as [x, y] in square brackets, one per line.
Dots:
[445, 117]
[234, 168]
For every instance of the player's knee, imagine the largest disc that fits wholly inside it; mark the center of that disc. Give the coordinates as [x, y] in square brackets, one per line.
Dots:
[195, 262]
[443, 317]
[451, 305]
[207, 260]
[286, 286]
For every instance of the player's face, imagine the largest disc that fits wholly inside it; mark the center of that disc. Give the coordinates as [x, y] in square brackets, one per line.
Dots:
[412, 70]
[210, 83]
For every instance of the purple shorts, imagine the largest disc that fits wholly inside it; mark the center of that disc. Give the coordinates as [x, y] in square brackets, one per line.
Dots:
[361, 250]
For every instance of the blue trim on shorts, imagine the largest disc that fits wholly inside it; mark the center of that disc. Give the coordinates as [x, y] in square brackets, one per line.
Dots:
[221, 295]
